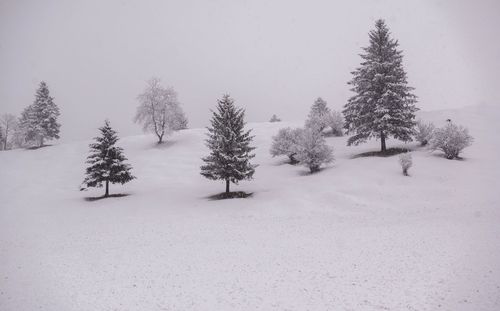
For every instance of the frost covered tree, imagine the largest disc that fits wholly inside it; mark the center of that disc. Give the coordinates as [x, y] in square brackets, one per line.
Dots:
[336, 123]
[405, 160]
[275, 118]
[8, 122]
[28, 131]
[424, 132]
[43, 115]
[285, 143]
[229, 144]
[106, 162]
[319, 115]
[451, 139]
[383, 104]
[159, 110]
[312, 150]
[38, 121]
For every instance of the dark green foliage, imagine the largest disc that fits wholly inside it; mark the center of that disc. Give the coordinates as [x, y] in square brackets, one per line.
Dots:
[229, 144]
[384, 105]
[106, 161]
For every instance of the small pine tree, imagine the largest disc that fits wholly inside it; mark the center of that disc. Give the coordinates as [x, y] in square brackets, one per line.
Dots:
[383, 105]
[44, 115]
[319, 115]
[106, 162]
[27, 132]
[275, 118]
[312, 150]
[229, 144]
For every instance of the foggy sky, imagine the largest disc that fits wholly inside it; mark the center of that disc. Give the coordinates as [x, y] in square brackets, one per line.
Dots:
[271, 56]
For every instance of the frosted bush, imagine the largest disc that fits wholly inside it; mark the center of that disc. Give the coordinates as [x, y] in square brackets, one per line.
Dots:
[312, 150]
[424, 132]
[406, 162]
[451, 139]
[285, 143]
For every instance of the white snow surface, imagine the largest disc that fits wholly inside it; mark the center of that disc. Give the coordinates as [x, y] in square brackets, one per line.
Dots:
[358, 235]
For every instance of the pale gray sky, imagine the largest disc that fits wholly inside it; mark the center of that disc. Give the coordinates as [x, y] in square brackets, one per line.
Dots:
[271, 56]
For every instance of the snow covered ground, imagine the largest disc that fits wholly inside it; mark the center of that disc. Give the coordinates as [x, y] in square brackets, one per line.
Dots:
[356, 236]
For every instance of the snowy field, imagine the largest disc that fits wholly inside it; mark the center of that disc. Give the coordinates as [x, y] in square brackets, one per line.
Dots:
[356, 236]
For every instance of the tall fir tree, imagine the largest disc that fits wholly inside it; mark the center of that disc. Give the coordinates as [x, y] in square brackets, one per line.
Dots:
[384, 104]
[229, 143]
[38, 121]
[45, 113]
[107, 162]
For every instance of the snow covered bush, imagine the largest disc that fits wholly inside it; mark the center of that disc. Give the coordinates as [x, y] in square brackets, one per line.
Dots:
[406, 162]
[312, 150]
[424, 132]
[336, 123]
[159, 110]
[285, 143]
[107, 162]
[451, 139]
[275, 118]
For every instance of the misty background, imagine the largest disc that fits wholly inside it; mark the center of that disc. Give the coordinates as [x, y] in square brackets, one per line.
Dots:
[273, 57]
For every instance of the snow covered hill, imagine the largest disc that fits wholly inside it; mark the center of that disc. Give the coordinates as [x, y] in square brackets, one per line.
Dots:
[356, 236]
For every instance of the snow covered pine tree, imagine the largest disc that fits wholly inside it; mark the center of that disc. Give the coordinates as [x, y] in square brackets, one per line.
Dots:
[384, 104]
[319, 115]
[39, 120]
[229, 144]
[106, 162]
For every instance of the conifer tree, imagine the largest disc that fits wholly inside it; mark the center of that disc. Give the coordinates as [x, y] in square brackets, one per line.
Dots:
[27, 132]
[229, 143]
[106, 162]
[319, 115]
[383, 105]
[44, 114]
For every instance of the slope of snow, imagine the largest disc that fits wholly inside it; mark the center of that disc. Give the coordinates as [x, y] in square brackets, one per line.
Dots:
[356, 236]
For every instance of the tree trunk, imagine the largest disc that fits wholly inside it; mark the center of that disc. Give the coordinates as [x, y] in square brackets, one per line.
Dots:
[41, 141]
[382, 141]
[6, 136]
[107, 189]
[227, 185]
[160, 139]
